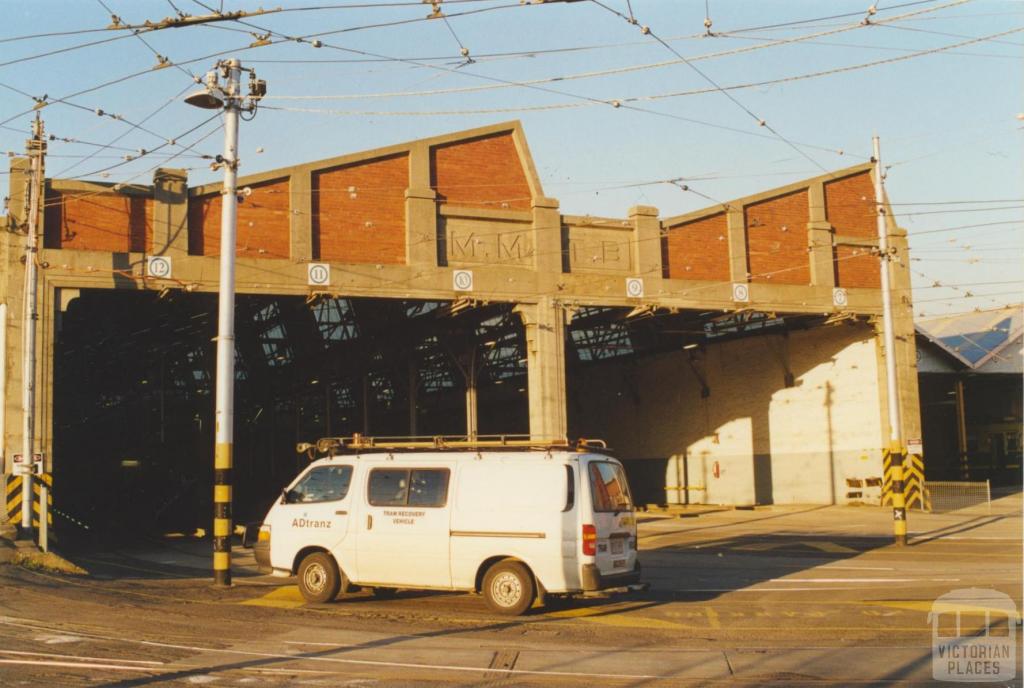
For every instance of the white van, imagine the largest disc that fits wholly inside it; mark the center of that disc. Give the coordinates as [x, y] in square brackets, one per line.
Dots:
[513, 520]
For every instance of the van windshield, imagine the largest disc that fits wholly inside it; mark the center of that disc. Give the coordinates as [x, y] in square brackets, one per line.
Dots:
[608, 487]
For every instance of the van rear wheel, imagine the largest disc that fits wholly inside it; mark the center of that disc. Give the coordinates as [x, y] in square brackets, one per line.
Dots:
[508, 588]
[319, 578]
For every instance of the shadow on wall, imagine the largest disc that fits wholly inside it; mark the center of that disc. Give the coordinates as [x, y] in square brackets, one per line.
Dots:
[745, 422]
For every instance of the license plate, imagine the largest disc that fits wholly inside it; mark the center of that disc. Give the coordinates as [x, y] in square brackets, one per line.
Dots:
[619, 564]
[617, 546]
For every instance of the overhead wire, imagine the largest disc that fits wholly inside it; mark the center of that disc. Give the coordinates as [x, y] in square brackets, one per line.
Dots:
[760, 121]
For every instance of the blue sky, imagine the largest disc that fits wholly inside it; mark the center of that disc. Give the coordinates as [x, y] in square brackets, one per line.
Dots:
[945, 104]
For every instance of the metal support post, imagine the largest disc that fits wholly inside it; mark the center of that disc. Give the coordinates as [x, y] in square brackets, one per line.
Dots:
[36, 150]
[896, 449]
[224, 414]
[229, 97]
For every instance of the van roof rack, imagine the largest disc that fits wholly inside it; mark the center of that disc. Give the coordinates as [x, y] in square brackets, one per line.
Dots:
[359, 442]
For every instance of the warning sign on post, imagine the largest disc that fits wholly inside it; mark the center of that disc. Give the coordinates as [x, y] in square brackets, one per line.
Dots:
[19, 466]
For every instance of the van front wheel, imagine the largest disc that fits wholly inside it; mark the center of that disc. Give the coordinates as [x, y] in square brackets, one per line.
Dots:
[319, 578]
[508, 588]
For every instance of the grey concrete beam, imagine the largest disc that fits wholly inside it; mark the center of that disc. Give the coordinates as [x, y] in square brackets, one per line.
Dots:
[170, 212]
[739, 265]
[544, 323]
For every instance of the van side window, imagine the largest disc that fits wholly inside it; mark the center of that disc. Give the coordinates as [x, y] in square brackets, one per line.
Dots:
[609, 487]
[428, 487]
[388, 487]
[322, 484]
[570, 489]
[404, 487]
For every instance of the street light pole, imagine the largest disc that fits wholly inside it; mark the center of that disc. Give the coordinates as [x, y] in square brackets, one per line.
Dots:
[895, 449]
[229, 97]
[224, 415]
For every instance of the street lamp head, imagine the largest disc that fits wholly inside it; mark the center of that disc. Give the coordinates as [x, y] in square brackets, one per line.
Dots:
[204, 99]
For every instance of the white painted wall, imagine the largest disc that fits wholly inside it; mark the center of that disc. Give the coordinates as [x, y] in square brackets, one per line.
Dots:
[813, 436]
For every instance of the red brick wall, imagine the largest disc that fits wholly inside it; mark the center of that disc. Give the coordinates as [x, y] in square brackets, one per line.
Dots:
[264, 229]
[856, 267]
[98, 222]
[480, 173]
[850, 205]
[359, 211]
[697, 250]
[777, 239]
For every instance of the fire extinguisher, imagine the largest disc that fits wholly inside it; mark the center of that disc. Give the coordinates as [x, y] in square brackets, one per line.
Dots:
[715, 470]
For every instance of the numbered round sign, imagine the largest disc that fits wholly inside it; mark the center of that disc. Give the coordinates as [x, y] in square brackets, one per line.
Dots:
[634, 287]
[839, 297]
[740, 292]
[319, 274]
[158, 266]
[462, 280]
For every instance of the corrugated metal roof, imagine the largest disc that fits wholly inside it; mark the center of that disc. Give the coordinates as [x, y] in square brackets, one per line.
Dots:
[975, 338]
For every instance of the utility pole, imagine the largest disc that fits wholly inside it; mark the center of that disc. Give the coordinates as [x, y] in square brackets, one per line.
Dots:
[895, 450]
[228, 97]
[36, 147]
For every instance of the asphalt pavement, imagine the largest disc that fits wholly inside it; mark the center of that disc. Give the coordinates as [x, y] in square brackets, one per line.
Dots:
[771, 596]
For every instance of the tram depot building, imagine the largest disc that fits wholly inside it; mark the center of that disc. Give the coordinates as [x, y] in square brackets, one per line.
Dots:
[731, 355]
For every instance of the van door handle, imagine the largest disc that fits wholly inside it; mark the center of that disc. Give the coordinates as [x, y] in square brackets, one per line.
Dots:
[341, 512]
[369, 521]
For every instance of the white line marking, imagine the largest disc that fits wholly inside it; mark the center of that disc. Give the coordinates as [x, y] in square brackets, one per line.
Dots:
[91, 659]
[80, 665]
[335, 660]
[863, 580]
[860, 568]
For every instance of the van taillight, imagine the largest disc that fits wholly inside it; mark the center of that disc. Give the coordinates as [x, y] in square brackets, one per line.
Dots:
[589, 540]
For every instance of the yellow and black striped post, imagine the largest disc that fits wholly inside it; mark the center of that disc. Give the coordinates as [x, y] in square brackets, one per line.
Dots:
[12, 499]
[222, 514]
[899, 504]
[913, 480]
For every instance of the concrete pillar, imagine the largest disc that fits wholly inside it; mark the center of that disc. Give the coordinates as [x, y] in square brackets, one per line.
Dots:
[11, 289]
[300, 195]
[548, 251]
[420, 211]
[906, 341]
[646, 241]
[820, 239]
[170, 212]
[545, 358]
[737, 231]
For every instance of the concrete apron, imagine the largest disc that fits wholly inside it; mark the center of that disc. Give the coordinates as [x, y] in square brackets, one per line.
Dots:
[451, 658]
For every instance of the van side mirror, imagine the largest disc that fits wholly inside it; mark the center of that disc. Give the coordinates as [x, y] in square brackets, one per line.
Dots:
[287, 496]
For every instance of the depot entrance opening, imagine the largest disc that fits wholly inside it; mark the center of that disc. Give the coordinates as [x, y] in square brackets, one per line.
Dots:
[134, 394]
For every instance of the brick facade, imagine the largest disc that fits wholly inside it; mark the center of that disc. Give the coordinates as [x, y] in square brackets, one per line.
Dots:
[850, 209]
[263, 222]
[480, 173]
[697, 250]
[359, 211]
[777, 239]
[857, 267]
[850, 206]
[98, 222]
